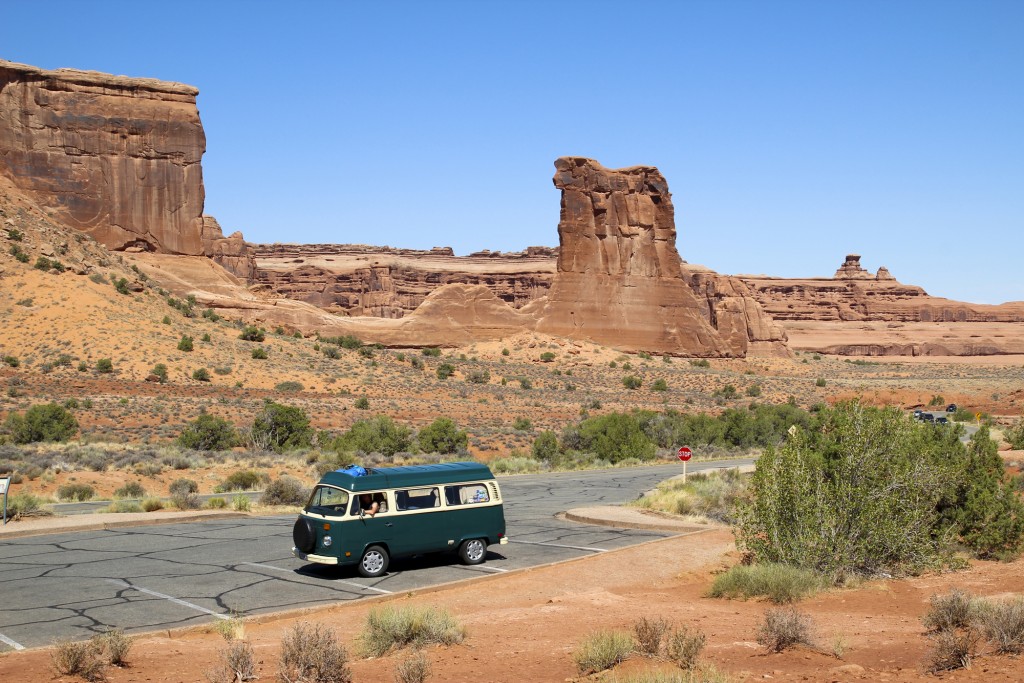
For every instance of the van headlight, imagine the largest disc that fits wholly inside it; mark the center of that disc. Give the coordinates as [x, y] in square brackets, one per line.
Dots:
[327, 541]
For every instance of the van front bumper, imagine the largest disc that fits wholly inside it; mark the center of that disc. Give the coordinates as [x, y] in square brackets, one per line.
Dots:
[320, 559]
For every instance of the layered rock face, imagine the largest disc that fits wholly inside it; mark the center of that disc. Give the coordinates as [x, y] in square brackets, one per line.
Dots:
[116, 157]
[853, 294]
[619, 275]
[360, 280]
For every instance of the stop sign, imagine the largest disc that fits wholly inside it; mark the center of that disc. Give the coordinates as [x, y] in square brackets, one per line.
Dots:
[685, 453]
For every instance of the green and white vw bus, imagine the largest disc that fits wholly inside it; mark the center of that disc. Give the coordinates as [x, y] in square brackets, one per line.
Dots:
[420, 509]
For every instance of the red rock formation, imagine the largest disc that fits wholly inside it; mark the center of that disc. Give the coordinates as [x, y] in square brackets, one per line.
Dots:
[231, 252]
[619, 280]
[116, 157]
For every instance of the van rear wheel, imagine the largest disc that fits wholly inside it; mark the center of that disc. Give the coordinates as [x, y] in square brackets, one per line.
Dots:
[473, 551]
[374, 562]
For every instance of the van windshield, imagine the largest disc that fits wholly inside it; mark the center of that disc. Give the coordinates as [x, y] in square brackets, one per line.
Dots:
[328, 499]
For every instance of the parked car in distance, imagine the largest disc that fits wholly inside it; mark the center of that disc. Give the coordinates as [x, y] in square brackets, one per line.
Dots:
[951, 408]
[927, 417]
[941, 420]
[917, 414]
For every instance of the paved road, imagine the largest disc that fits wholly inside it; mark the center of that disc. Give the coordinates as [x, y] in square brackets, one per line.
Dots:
[74, 585]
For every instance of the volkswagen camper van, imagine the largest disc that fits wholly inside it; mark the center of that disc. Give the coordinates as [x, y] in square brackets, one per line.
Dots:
[450, 507]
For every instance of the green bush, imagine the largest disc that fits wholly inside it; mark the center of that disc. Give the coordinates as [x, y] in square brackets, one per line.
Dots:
[201, 375]
[45, 422]
[432, 352]
[242, 480]
[104, 366]
[25, 504]
[1015, 435]
[259, 353]
[701, 363]
[11, 361]
[289, 385]
[185, 343]
[132, 489]
[479, 376]
[216, 503]
[445, 370]
[631, 382]
[208, 433]
[613, 437]
[379, 434]
[184, 494]
[280, 428]
[659, 385]
[545, 446]
[75, 492]
[820, 382]
[252, 333]
[362, 403]
[391, 628]
[784, 627]
[547, 357]
[442, 436]
[241, 503]
[345, 342]
[780, 583]
[522, 424]
[160, 370]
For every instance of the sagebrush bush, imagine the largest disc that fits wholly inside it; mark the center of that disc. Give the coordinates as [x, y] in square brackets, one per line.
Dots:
[412, 669]
[1002, 622]
[26, 504]
[242, 480]
[949, 611]
[783, 628]
[241, 503]
[396, 627]
[132, 489]
[602, 650]
[952, 649]
[649, 635]
[116, 645]
[83, 659]
[779, 583]
[152, 504]
[285, 491]
[684, 647]
[237, 663]
[75, 492]
[312, 654]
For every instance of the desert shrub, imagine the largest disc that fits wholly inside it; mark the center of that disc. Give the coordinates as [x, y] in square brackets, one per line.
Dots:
[25, 504]
[442, 436]
[242, 480]
[684, 647]
[116, 646]
[547, 357]
[237, 664]
[312, 654]
[1015, 435]
[201, 375]
[289, 385]
[185, 343]
[259, 353]
[11, 361]
[78, 659]
[362, 403]
[413, 669]
[479, 376]
[132, 489]
[727, 391]
[252, 333]
[713, 495]
[332, 352]
[184, 494]
[952, 649]
[216, 503]
[390, 628]
[152, 504]
[514, 465]
[988, 513]
[160, 370]
[445, 370]
[345, 341]
[522, 424]
[949, 611]
[649, 635]
[861, 493]
[632, 382]
[820, 382]
[754, 390]
[433, 352]
[285, 491]
[602, 650]
[241, 503]
[784, 627]
[659, 385]
[75, 492]
[208, 433]
[545, 446]
[45, 422]
[780, 583]
[614, 437]
[280, 427]
[1002, 621]
[379, 434]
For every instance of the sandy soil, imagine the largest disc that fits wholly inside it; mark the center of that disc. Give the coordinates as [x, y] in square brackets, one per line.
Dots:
[525, 626]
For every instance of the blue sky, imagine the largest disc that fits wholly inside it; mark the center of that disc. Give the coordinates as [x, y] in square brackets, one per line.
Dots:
[791, 132]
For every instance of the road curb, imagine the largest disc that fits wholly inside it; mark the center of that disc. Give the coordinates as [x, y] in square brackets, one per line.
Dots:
[119, 523]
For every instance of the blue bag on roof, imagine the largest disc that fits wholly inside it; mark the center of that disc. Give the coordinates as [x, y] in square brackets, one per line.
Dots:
[354, 470]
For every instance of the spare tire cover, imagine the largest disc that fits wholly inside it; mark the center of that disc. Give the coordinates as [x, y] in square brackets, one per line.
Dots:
[304, 534]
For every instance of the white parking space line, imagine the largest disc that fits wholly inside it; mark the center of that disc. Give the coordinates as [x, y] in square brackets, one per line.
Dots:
[559, 545]
[173, 599]
[292, 571]
[488, 569]
[15, 645]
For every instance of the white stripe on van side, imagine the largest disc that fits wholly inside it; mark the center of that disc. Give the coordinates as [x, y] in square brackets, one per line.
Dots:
[292, 571]
[559, 545]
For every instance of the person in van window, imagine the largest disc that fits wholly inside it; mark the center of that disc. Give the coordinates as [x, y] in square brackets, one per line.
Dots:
[367, 505]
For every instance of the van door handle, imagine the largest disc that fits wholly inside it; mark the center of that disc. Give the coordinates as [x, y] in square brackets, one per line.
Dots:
[388, 524]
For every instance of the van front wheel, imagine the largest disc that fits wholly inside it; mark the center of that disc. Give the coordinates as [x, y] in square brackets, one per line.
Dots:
[473, 551]
[374, 562]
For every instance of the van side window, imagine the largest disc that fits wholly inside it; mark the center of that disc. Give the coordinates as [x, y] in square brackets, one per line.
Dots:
[466, 494]
[417, 499]
[378, 498]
